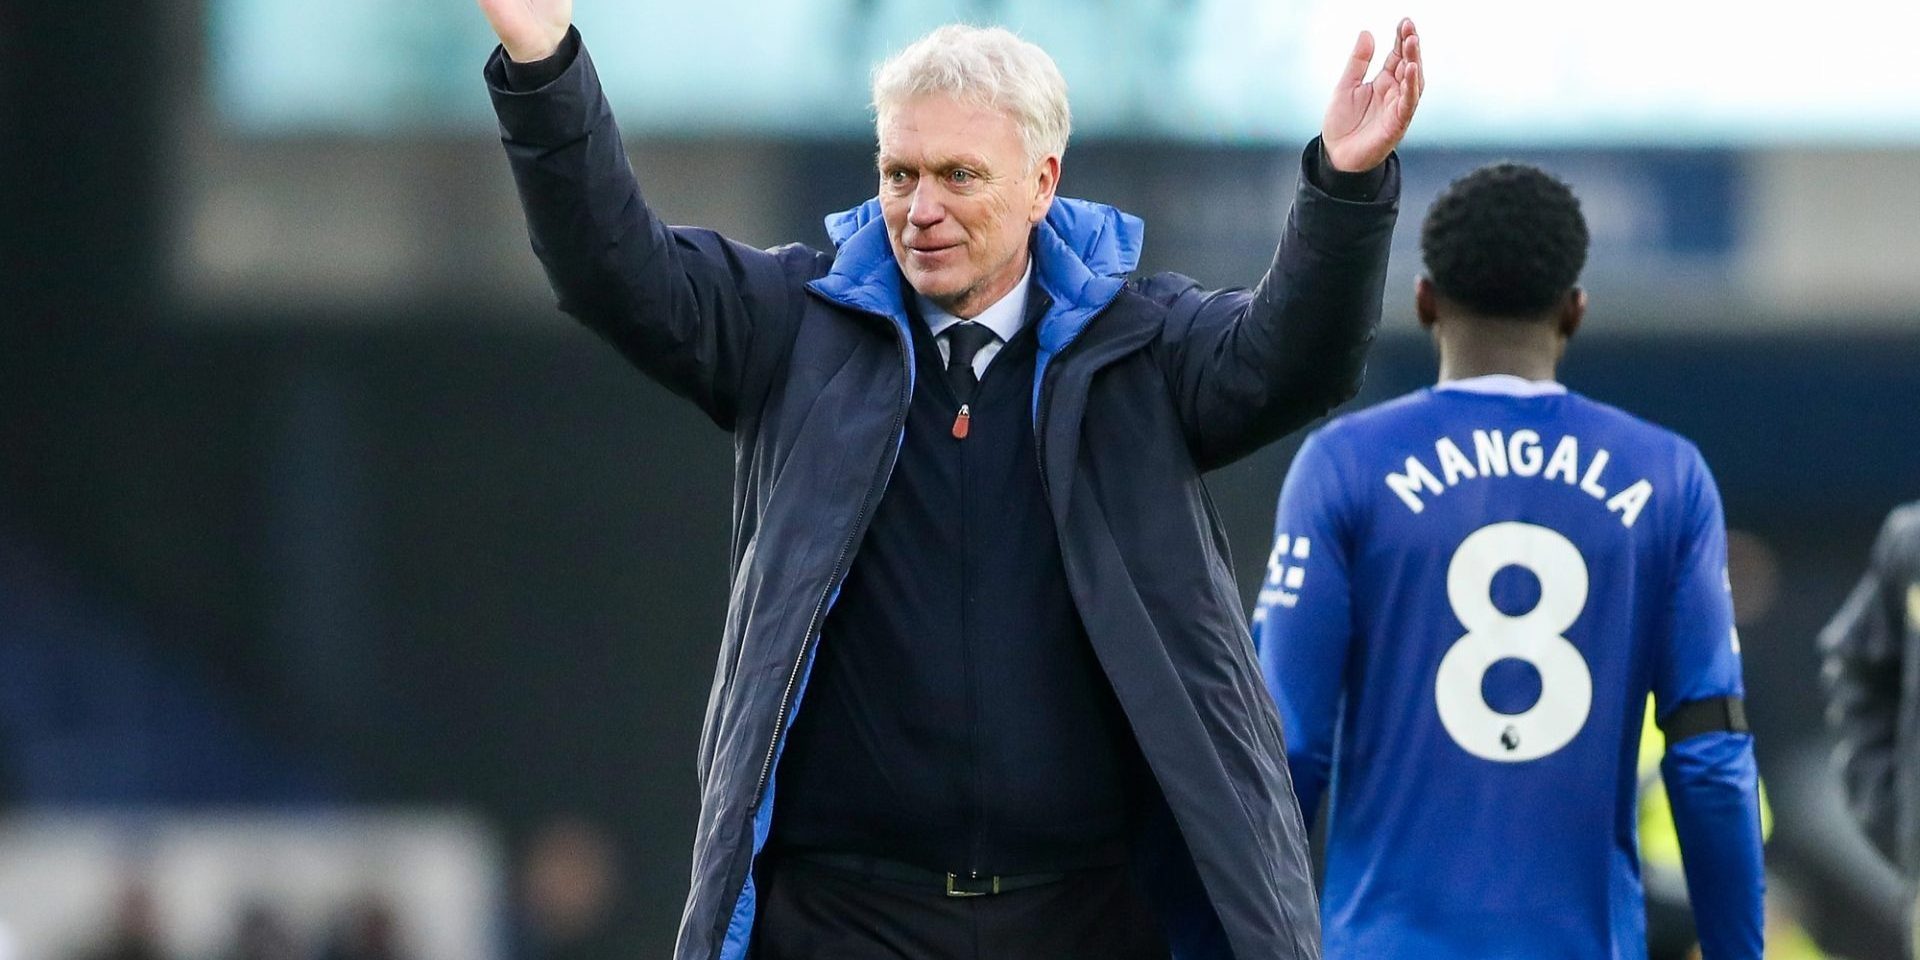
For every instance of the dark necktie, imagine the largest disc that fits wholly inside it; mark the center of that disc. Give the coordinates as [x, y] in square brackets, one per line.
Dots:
[964, 341]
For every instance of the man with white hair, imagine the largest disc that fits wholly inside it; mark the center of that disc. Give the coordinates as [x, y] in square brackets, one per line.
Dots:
[983, 641]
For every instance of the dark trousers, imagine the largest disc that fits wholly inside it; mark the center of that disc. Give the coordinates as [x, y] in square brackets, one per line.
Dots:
[812, 912]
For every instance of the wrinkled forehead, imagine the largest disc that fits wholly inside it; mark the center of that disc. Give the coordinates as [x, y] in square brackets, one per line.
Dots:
[938, 129]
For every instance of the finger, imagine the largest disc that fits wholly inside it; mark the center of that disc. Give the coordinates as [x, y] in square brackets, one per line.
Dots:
[1410, 90]
[1406, 49]
[1392, 62]
[1414, 60]
[1388, 78]
[1411, 50]
[1392, 72]
[1356, 69]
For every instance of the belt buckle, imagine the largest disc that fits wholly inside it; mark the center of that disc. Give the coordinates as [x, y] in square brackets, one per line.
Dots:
[992, 885]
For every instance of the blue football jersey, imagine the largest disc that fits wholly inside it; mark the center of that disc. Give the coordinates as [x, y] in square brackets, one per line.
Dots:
[1471, 593]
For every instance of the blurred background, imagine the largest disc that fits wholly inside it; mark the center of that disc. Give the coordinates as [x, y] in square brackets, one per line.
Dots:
[355, 604]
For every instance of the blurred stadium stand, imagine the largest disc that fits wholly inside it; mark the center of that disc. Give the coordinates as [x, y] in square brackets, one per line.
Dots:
[327, 886]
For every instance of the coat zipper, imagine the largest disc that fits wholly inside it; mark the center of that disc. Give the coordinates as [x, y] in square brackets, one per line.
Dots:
[1040, 437]
[971, 814]
[1040, 424]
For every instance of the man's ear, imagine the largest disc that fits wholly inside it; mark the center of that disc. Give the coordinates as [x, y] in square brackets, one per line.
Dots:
[1046, 183]
[1426, 303]
[1572, 312]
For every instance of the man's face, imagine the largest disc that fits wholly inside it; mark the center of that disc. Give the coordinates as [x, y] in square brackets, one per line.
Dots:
[959, 199]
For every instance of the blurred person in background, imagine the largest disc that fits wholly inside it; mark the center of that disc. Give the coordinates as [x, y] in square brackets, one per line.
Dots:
[8, 789]
[263, 934]
[1871, 650]
[1472, 591]
[368, 930]
[983, 642]
[135, 930]
[1787, 936]
[569, 879]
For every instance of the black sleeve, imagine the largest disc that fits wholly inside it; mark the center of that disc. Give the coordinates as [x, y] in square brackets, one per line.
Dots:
[709, 318]
[1249, 366]
[1361, 187]
[534, 74]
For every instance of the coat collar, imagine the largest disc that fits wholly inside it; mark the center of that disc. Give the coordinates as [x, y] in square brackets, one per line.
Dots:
[1082, 253]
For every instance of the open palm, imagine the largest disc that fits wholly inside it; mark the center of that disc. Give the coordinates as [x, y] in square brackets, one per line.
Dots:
[529, 29]
[1367, 118]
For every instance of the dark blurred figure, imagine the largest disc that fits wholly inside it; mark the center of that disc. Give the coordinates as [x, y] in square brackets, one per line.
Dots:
[1871, 671]
[569, 881]
[135, 934]
[263, 934]
[8, 791]
[369, 932]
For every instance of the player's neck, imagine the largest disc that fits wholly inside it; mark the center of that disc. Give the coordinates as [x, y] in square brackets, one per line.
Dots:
[1476, 347]
[1462, 361]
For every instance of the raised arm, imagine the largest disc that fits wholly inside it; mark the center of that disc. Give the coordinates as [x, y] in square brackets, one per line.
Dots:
[1250, 366]
[707, 317]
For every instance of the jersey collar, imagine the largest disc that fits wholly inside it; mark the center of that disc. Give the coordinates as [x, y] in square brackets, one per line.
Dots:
[1504, 384]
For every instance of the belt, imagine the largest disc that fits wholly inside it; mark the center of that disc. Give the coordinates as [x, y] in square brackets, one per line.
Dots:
[953, 884]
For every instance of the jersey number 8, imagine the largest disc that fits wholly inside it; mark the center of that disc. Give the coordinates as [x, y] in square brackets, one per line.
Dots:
[1566, 686]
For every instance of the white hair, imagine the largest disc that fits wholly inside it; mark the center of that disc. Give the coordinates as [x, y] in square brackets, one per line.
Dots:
[989, 67]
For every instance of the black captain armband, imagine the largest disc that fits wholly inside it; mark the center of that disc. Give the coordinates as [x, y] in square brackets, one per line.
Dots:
[1713, 715]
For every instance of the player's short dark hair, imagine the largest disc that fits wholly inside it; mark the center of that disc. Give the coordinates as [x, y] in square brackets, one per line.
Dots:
[1507, 240]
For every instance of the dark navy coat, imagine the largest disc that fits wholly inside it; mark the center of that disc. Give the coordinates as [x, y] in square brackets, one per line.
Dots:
[1141, 385]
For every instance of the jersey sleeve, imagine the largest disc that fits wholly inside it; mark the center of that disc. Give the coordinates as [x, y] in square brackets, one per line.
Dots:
[1302, 623]
[1712, 781]
[1700, 656]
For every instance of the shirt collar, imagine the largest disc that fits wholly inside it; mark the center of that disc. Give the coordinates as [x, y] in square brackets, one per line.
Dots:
[1504, 384]
[1005, 317]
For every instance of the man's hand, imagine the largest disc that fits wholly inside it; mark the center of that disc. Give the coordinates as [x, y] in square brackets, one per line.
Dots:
[530, 29]
[1366, 119]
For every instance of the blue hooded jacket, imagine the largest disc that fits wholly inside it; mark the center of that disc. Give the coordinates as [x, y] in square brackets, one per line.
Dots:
[1140, 386]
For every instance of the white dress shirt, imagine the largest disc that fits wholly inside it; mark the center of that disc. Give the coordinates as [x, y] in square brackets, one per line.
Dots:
[1005, 318]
